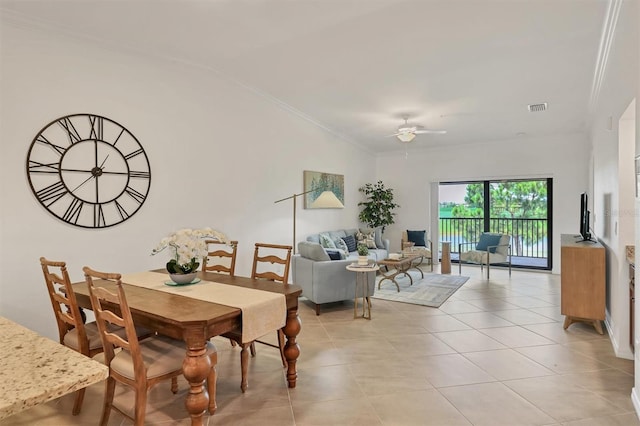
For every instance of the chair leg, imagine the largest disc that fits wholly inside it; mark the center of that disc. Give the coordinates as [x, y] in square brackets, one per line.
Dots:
[141, 404]
[77, 405]
[109, 389]
[253, 349]
[281, 344]
[174, 384]
[317, 309]
[233, 342]
[211, 383]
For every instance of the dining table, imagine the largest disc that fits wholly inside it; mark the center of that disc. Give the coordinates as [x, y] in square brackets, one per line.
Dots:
[196, 321]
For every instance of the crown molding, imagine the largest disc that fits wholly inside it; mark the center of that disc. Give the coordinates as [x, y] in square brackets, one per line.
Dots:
[606, 41]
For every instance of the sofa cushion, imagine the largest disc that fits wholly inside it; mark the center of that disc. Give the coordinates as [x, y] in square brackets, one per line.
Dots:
[314, 238]
[326, 241]
[378, 238]
[341, 245]
[487, 240]
[417, 237]
[336, 234]
[350, 241]
[351, 231]
[313, 251]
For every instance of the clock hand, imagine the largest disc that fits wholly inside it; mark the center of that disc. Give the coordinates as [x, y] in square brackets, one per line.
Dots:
[76, 170]
[85, 181]
[105, 160]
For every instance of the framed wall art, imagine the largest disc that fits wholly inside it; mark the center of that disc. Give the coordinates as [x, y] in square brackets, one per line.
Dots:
[317, 182]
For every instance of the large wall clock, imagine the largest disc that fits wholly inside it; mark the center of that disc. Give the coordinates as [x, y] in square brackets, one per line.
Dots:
[88, 171]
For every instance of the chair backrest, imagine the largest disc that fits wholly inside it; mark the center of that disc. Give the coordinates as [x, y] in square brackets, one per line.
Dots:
[220, 253]
[407, 243]
[106, 305]
[63, 301]
[272, 258]
[488, 239]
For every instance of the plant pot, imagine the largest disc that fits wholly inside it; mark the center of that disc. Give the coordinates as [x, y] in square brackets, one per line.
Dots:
[363, 260]
[183, 278]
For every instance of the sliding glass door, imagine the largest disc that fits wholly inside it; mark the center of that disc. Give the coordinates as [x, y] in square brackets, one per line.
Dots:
[520, 208]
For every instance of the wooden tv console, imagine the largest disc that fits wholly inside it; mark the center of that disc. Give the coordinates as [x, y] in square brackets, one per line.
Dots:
[582, 276]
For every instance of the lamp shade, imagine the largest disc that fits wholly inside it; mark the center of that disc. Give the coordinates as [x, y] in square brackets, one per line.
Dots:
[406, 136]
[327, 200]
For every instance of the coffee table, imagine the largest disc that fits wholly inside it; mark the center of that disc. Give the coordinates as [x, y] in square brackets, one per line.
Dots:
[400, 266]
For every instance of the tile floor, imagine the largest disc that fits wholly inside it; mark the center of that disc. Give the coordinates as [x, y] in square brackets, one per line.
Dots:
[494, 354]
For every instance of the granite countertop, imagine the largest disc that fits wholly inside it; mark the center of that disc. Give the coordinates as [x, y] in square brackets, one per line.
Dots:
[631, 254]
[34, 369]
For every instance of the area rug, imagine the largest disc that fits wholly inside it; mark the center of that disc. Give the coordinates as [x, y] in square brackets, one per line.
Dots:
[433, 290]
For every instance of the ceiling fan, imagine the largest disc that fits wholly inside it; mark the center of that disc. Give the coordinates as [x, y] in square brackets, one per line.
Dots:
[407, 132]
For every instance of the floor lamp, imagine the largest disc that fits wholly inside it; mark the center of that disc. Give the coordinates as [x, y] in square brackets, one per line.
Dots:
[326, 200]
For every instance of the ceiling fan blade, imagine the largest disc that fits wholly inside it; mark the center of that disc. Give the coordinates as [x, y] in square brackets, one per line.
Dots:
[433, 132]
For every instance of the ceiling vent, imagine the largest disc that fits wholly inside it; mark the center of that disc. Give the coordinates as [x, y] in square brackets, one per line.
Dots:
[537, 107]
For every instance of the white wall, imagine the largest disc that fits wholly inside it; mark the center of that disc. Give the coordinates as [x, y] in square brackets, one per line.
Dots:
[635, 397]
[220, 156]
[561, 157]
[613, 188]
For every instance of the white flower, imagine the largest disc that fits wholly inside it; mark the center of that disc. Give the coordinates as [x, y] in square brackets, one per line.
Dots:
[189, 246]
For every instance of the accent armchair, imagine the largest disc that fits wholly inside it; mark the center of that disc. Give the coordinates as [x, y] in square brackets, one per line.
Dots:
[491, 249]
[416, 242]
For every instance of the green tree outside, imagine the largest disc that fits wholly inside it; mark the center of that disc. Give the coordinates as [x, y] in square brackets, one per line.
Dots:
[509, 200]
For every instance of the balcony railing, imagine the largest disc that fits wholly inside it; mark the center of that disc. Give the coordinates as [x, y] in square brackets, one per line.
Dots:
[529, 236]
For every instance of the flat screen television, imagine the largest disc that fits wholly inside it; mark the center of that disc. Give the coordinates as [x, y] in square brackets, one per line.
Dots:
[584, 217]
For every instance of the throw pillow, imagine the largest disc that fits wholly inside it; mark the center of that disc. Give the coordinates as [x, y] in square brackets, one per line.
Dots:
[326, 241]
[487, 240]
[350, 241]
[341, 245]
[367, 237]
[313, 251]
[334, 254]
[417, 237]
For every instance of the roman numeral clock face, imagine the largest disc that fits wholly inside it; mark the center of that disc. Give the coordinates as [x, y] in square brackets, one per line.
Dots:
[88, 171]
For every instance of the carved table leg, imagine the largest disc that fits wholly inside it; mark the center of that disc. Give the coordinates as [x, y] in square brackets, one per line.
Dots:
[292, 349]
[196, 367]
[244, 365]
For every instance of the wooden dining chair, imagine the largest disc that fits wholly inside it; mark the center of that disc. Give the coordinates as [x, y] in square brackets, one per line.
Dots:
[72, 331]
[258, 272]
[140, 364]
[218, 253]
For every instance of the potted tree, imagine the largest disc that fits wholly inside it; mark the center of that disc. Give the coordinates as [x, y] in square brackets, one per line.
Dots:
[363, 253]
[379, 206]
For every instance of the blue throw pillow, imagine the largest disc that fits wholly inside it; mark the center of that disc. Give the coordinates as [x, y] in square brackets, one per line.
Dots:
[487, 240]
[333, 254]
[350, 240]
[417, 237]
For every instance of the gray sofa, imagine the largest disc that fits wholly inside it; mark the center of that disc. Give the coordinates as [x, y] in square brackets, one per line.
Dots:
[324, 280]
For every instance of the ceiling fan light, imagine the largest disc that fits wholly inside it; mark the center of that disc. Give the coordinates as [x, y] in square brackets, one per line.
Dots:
[406, 136]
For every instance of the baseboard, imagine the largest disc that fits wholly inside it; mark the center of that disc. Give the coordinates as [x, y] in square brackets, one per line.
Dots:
[620, 352]
[636, 401]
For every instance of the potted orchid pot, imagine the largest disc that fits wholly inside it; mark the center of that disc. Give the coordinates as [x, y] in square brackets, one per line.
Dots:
[363, 254]
[189, 248]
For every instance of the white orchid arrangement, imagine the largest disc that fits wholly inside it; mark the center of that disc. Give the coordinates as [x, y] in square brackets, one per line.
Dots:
[189, 246]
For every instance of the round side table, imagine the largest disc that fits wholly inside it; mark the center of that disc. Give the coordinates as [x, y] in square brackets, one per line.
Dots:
[361, 284]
